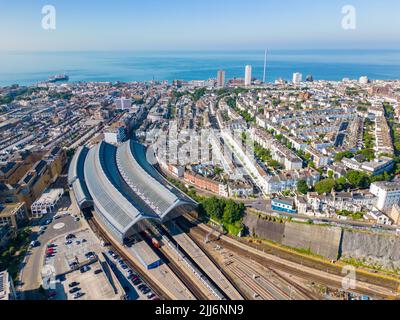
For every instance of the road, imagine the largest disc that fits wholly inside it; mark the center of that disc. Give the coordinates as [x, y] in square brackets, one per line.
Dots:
[31, 272]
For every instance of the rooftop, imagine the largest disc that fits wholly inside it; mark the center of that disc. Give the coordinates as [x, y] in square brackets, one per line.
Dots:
[125, 188]
[7, 210]
[5, 289]
[50, 196]
[388, 186]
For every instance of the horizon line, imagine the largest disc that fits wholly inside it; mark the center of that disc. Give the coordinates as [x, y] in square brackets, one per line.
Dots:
[202, 50]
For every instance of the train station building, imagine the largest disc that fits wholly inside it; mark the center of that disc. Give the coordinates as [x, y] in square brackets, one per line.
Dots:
[123, 188]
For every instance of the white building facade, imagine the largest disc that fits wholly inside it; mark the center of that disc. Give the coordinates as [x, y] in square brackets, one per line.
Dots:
[247, 79]
[388, 194]
[297, 78]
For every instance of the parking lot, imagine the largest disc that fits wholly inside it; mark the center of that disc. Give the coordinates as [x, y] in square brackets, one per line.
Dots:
[63, 253]
[134, 287]
[30, 277]
[62, 242]
[90, 285]
[69, 252]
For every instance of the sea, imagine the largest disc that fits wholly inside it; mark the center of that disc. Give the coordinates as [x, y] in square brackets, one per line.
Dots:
[27, 68]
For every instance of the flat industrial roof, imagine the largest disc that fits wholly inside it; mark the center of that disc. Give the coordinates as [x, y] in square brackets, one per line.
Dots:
[50, 196]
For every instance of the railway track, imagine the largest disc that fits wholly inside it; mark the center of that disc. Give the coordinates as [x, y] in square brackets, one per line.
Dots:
[240, 271]
[197, 293]
[251, 284]
[245, 267]
[211, 283]
[295, 285]
[276, 265]
[98, 230]
[301, 293]
[209, 256]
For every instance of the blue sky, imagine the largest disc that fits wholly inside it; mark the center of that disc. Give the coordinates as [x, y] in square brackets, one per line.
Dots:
[198, 25]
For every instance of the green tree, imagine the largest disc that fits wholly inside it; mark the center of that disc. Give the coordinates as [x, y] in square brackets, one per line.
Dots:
[218, 171]
[341, 184]
[214, 207]
[368, 154]
[302, 186]
[325, 186]
[198, 94]
[233, 212]
[275, 164]
[358, 179]
[71, 153]
[339, 156]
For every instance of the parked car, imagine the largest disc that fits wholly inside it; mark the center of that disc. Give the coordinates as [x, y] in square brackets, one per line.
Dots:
[84, 269]
[73, 284]
[70, 236]
[98, 271]
[34, 244]
[74, 290]
[137, 282]
[78, 295]
[90, 255]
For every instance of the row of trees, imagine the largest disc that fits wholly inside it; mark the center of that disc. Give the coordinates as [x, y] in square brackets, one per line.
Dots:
[368, 154]
[11, 257]
[225, 211]
[265, 156]
[352, 180]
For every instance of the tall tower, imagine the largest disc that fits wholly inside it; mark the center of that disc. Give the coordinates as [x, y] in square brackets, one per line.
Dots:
[221, 78]
[265, 66]
[247, 78]
[297, 78]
